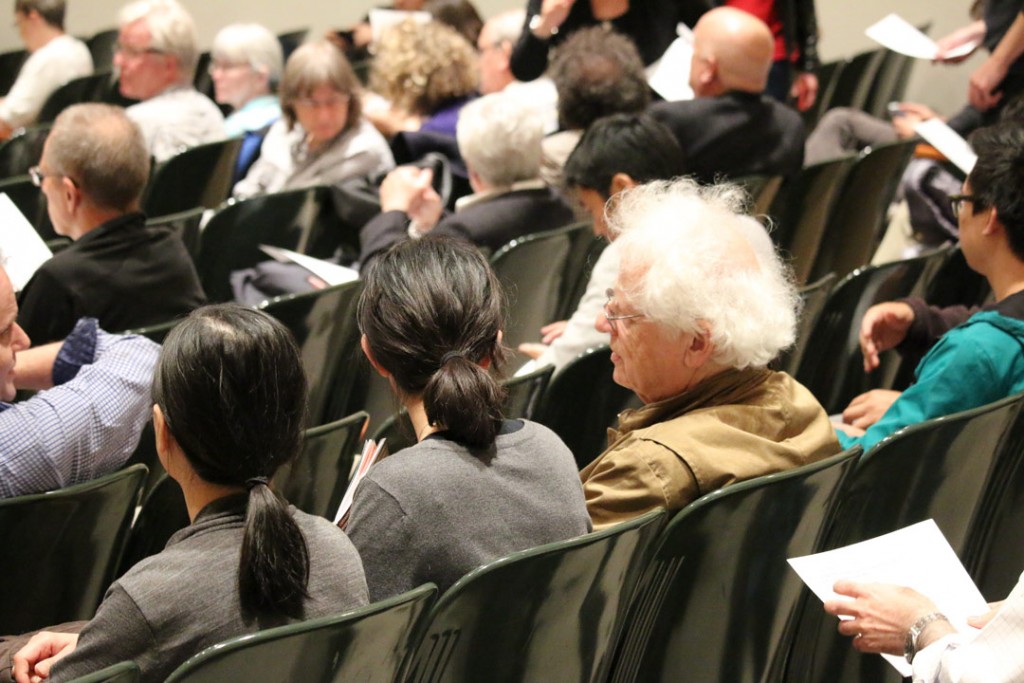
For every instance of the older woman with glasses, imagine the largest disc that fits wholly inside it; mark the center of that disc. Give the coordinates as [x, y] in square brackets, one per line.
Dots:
[246, 69]
[322, 138]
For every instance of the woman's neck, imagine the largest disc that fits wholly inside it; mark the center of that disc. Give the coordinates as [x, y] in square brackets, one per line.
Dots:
[199, 494]
[418, 416]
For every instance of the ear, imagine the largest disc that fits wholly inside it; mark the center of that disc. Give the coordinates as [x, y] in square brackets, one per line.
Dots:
[709, 74]
[993, 224]
[621, 181]
[164, 438]
[700, 348]
[373, 361]
[72, 195]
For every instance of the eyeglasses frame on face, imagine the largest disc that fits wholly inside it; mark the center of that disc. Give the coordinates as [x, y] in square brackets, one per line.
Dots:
[956, 202]
[309, 103]
[136, 52]
[225, 66]
[613, 319]
[38, 176]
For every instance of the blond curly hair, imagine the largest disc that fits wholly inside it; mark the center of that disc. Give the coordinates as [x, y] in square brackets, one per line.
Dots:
[420, 67]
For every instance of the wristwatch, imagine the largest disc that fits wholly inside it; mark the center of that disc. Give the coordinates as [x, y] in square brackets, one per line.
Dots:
[910, 645]
[535, 23]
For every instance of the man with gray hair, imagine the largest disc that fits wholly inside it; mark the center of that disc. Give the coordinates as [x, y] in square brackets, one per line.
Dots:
[700, 306]
[55, 58]
[498, 36]
[499, 138]
[126, 274]
[157, 56]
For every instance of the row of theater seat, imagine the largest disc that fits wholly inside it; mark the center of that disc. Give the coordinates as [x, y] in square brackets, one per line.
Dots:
[706, 597]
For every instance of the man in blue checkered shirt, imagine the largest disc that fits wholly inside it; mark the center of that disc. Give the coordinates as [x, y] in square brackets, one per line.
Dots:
[94, 397]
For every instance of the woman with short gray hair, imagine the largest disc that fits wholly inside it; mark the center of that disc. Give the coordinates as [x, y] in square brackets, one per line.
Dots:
[246, 67]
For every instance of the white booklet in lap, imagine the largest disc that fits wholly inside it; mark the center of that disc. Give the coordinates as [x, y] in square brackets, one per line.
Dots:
[917, 556]
[22, 250]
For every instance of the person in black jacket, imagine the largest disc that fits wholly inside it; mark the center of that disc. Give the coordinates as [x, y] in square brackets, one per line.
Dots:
[499, 138]
[651, 24]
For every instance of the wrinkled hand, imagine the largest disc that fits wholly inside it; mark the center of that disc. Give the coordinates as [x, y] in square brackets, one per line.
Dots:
[404, 186]
[882, 614]
[981, 620]
[804, 90]
[553, 331]
[984, 81]
[869, 407]
[973, 32]
[884, 326]
[426, 207]
[533, 350]
[32, 663]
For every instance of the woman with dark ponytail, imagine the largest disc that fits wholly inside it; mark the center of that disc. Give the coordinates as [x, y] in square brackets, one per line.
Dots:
[476, 486]
[229, 397]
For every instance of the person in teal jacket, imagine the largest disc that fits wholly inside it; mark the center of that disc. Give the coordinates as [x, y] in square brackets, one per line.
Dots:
[982, 359]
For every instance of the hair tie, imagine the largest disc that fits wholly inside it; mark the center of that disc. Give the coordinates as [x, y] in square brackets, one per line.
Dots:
[255, 481]
[451, 355]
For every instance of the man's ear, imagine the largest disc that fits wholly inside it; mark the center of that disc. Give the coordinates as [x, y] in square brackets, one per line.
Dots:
[71, 193]
[993, 223]
[700, 347]
[373, 361]
[709, 74]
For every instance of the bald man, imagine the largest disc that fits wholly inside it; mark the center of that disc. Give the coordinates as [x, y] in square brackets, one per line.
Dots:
[732, 129]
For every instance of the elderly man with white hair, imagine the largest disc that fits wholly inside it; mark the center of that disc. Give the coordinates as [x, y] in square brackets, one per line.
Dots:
[499, 138]
[700, 306]
[157, 56]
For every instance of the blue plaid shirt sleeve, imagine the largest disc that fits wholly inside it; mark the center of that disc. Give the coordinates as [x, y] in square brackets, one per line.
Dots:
[86, 426]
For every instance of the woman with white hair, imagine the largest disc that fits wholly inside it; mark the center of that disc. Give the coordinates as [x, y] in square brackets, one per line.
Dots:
[700, 306]
[323, 138]
[246, 67]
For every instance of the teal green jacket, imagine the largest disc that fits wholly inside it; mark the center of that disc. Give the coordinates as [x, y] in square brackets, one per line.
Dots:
[972, 365]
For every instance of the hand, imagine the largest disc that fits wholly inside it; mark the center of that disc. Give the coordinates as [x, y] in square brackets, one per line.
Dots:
[362, 34]
[884, 326]
[869, 407]
[403, 187]
[882, 614]
[973, 32]
[984, 81]
[804, 90]
[553, 331]
[336, 39]
[912, 114]
[32, 663]
[552, 15]
[533, 351]
[981, 621]
[849, 430]
[426, 209]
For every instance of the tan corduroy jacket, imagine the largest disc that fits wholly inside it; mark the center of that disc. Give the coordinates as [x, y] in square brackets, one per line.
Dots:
[734, 426]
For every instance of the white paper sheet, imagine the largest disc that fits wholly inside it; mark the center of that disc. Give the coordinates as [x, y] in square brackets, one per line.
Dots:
[383, 19]
[899, 35]
[331, 273]
[917, 556]
[670, 75]
[948, 141]
[22, 250]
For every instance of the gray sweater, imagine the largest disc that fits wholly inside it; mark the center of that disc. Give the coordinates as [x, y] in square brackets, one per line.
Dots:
[437, 510]
[172, 605]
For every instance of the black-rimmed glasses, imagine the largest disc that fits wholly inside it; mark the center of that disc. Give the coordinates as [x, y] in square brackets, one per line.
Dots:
[956, 202]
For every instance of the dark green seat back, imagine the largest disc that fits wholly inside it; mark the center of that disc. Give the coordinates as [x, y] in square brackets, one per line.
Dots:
[366, 645]
[582, 401]
[163, 514]
[941, 470]
[324, 325]
[316, 480]
[814, 297]
[23, 150]
[61, 549]
[199, 176]
[551, 613]
[718, 599]
[124, 672]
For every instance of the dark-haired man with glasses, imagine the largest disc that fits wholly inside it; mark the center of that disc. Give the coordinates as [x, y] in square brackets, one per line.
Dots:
[126, 274]
[974, 357]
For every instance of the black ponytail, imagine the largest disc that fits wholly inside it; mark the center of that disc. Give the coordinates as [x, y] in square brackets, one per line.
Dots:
[232, 390]
[432, 311]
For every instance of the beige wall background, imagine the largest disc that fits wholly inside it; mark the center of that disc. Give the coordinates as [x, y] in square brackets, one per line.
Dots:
[842, 24]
